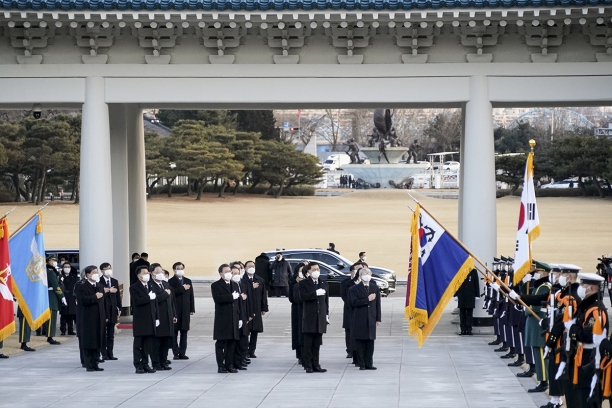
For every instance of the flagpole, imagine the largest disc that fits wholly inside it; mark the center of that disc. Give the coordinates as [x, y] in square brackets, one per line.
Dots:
[501, 283]
[7, 214]
[29, 219]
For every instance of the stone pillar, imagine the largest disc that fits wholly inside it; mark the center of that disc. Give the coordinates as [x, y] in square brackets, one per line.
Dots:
[137, 193]
[119, 172]
[478, 223]
[96, 202]
[461, 196]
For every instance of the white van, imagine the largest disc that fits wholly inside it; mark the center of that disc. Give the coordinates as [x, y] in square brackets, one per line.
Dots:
[336, 161]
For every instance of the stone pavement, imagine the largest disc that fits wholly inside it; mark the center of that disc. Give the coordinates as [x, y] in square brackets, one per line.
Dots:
[449, 371]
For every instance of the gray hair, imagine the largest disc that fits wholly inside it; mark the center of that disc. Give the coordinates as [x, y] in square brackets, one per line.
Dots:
[362, 270]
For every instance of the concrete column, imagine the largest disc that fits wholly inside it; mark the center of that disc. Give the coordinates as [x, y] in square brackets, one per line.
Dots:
[137, 193]
[96, 203]
[478, 222]
[461, 195]
[119, 171]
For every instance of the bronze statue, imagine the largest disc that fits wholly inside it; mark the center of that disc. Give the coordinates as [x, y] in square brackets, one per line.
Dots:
[353, 150]
[381, 150]
[414, 148]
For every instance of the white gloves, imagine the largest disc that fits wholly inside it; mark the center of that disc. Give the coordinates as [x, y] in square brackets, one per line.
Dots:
[569, 324]
[235, 295]
[546, 351]
[320, 292]
[495, 286]
[156, 323]
[527, 278]
[503, 314]
[327, 318]
[598, 338]
[513, 295]
[152, 295]
[476, 298]
[64, 302]
[240, 324]
[560, 370]
[456, 299]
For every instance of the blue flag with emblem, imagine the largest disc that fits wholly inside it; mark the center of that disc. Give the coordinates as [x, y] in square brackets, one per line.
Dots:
[438, 266]
[30, 287]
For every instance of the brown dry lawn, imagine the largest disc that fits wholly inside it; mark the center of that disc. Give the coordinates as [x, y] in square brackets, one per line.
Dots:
[213, 231]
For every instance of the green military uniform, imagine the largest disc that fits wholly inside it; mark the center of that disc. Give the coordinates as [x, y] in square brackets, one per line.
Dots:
[55, 297]
[533, 332]
[24, 328]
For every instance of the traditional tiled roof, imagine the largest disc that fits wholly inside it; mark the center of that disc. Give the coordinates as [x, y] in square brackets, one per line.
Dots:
[286, 4]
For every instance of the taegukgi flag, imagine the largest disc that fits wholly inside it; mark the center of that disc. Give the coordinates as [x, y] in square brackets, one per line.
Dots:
[7, 309]
[27, 249]
[438, 267]
[528, 225]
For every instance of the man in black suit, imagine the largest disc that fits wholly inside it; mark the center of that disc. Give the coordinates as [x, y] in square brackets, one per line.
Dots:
[185, 307]
[91, 315]
[315, 297]
[366, 316]
[258, 304]
[262, 269]
[145, 319]
[164, 332]
[345, 285]
[68, 279]
[241, 358]
[227, 319]
[142, 261]
[467, 294]
[112, 309]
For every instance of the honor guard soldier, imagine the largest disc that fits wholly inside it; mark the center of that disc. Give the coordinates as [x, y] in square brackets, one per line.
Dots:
[56, 297]
[586, 330]
[493, 306]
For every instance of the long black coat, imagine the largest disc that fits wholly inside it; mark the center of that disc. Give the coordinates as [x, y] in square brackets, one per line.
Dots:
[262, 268]
[91, 315]
[281, 273]
[185, 301]
[345, 285]
[296, 316]
[112, 301]
[315, 308]
[67, 284]
[144, 310]
[468, 291]
[166, 310]
[365, 312]
[227, 311]
[244, 307]
[258, 299]
[133, 266]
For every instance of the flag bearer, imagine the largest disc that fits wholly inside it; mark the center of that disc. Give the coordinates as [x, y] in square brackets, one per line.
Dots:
[56, 296]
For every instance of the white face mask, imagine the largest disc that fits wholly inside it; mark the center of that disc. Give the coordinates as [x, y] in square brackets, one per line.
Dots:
[562, 280]
[179, 272]
[301, 275]
[364, 258]
[366, 278]
[227, 276]
[160, 276]
[66, 270]
[145, 278]
[251, 271]
[95, 277]
[236, 278]
[108, 272]
[581, 292]
[315, 274]
[54, 264]
[537, 275]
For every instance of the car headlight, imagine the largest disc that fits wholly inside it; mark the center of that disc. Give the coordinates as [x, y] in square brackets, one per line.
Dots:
[382, 284]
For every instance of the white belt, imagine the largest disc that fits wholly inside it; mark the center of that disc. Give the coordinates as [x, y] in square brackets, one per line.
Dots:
[50, 288]
[587, 346]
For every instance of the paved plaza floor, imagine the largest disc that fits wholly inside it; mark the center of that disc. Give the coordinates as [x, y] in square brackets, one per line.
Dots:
[448, 371]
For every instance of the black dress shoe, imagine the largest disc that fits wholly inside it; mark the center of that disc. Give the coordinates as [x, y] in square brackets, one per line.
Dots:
[252, 354]
[25, 347]
[517, 363]
[222, 370]
[371, 368]
[526, 374]
[361, 368]
[501, 349]
[232, 370]
[101, 360]
[508, 356]
[112, 358]
[243, 368]
[246, 362]
[309, 370]
[494, 343]
[348, 355]
[51, 340]
[551, 405]
[90, 369]
[184, 357]
[62, 333]
[176, 357]
[71, 333]
[469, 333]
[319, 370]
[148, 369]
[96, 368]
[3, 356]
[140, 371]
[299, 361]
[166, 367]
[540, 388]
[168, 362]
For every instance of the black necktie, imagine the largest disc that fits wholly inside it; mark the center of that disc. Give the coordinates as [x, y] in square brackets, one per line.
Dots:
[109, 283]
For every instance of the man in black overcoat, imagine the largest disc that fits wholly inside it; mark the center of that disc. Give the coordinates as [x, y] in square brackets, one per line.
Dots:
[227, 319]
[68, 278]
[262, 269]
[366, 316]
[280, 271]
[91, 315]
[185, 307]
[315, 297]
[241, 358]
[112, 310]
[345, 285]
[145, 319]
[258, 304]
[467, 294]
[166, 313]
